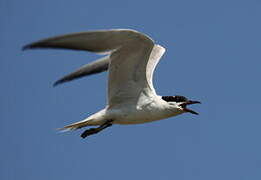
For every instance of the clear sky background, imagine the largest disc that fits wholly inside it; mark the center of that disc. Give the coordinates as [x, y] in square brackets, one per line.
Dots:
[213, 55]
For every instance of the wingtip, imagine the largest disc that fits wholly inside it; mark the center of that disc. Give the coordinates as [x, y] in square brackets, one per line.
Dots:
[30, 46]
[55, 84]
[26, 47]
[58, 82]
[33, 46]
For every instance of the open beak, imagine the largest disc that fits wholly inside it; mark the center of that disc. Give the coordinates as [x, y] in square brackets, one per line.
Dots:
[184, 106]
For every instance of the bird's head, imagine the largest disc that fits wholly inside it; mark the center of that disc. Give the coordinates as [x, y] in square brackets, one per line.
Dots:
[181, 102]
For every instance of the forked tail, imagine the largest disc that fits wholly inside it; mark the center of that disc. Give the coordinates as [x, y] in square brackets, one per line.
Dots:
[93, 120]
[75, 126]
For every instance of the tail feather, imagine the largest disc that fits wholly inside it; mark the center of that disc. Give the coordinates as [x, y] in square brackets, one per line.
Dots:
[74, 126]
[93, 120]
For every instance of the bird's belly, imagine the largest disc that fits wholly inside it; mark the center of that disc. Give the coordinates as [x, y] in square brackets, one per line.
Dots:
[139, 116]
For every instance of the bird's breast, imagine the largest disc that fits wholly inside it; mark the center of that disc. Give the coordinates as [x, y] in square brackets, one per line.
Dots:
[139, 114]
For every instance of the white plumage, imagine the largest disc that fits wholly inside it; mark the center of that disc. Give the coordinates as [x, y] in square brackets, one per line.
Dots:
[132, 59]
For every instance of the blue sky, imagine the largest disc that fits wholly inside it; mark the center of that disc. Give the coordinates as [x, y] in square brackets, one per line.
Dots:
[213, 55]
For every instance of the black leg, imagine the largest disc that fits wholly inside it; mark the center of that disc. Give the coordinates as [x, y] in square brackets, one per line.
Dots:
[91, 131]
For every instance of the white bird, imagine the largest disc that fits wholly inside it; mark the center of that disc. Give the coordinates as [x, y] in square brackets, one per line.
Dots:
[131, 60]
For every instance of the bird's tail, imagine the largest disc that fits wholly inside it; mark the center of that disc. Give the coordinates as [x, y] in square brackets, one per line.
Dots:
[75, 126]
[93, 120]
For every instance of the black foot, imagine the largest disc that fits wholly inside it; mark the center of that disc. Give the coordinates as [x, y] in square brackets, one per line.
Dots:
[91, 131]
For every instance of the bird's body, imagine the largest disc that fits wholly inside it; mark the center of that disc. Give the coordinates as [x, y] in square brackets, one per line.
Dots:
[151, 110]
[132, 59]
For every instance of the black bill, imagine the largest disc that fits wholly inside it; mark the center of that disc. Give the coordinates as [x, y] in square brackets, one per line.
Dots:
[184, 106]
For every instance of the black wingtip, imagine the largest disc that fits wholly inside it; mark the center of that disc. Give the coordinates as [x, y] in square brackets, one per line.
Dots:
[58, 82]
[34, 46]
[55, 84]
[26, 47]
[31, 46]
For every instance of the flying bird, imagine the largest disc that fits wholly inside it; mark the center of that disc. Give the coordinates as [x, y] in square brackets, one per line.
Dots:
[131, 58]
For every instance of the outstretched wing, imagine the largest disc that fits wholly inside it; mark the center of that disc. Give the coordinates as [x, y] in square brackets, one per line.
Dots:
[131, 71]
[133, 57]
[94, 67]
[101, 41]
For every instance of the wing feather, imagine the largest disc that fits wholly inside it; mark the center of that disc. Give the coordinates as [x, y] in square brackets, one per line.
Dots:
[94, 41]
[132, 60]
[94, 67]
